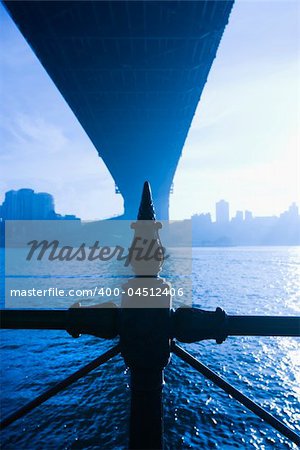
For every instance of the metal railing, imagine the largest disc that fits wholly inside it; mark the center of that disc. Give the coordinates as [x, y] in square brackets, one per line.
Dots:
[147, 338]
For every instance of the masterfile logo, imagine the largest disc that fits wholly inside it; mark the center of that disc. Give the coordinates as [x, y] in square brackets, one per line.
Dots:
[52, 263]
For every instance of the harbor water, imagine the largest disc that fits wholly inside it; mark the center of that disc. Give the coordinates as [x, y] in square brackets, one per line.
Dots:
[93, 413]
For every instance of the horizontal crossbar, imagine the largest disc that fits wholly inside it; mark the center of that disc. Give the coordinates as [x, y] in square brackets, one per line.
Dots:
[187, 324]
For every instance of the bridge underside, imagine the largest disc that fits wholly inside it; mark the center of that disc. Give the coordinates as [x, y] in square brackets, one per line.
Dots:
[133, 73]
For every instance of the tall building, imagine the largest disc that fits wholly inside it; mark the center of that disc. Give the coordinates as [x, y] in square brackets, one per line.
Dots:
[292, 214]
[25, 204]
[293, 211]
[238, 218]
[248, 216]
[43, 207]
[222, 212]
[9, 206]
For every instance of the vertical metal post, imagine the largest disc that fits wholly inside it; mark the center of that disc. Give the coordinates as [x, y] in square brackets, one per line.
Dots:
[146, 415]
[145, 347]
[145, 335]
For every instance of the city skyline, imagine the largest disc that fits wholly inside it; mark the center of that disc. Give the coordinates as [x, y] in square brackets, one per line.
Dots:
[244, 214]
[26, 204]
[246, 229]
[19, 204]
[242, 145]
[243, 228]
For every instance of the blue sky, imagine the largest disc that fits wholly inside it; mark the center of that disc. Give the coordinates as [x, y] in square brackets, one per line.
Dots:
[242, 146]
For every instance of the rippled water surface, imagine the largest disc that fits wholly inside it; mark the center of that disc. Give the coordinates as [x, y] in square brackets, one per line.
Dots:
[93, 413]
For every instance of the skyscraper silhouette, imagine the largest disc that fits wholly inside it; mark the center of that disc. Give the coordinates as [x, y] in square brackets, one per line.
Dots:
[222, 212]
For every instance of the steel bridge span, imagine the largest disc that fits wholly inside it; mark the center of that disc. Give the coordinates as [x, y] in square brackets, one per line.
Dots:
[133, 73]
